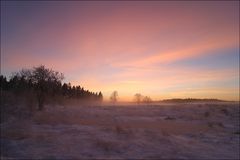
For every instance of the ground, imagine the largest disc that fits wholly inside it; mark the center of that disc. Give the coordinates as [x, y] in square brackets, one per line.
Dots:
[154, 131]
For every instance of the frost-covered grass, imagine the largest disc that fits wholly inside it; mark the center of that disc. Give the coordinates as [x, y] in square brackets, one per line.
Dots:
[182, 131]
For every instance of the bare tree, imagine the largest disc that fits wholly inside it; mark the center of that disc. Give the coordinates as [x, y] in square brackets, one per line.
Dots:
[147, 99]
[114, 96]
[44, 80]
[138, 97]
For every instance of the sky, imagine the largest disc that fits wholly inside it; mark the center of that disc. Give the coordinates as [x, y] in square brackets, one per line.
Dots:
[175, 49]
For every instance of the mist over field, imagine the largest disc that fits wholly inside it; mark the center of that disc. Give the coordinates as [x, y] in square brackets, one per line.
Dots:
[41, 118]
[161, 131]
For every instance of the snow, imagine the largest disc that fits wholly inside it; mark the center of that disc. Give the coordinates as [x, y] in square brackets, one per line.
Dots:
[182, 131]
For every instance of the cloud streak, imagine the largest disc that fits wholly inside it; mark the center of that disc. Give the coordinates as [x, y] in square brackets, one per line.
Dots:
[128, 46]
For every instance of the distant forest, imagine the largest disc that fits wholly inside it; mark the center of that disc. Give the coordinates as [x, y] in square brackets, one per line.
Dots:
[179, 100]
[43, 84]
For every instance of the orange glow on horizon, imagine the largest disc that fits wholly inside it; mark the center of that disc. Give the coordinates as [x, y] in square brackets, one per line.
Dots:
[152, 48]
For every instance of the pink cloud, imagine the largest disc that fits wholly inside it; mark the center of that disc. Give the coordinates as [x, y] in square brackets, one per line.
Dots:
[127, 47]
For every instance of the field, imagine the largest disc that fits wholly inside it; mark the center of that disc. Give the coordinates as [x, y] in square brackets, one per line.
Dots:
[154, 131]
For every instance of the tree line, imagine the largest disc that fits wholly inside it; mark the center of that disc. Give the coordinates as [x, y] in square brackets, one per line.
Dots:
[45, 83]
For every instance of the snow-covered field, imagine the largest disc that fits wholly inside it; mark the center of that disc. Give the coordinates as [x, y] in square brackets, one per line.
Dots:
[159, 131]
